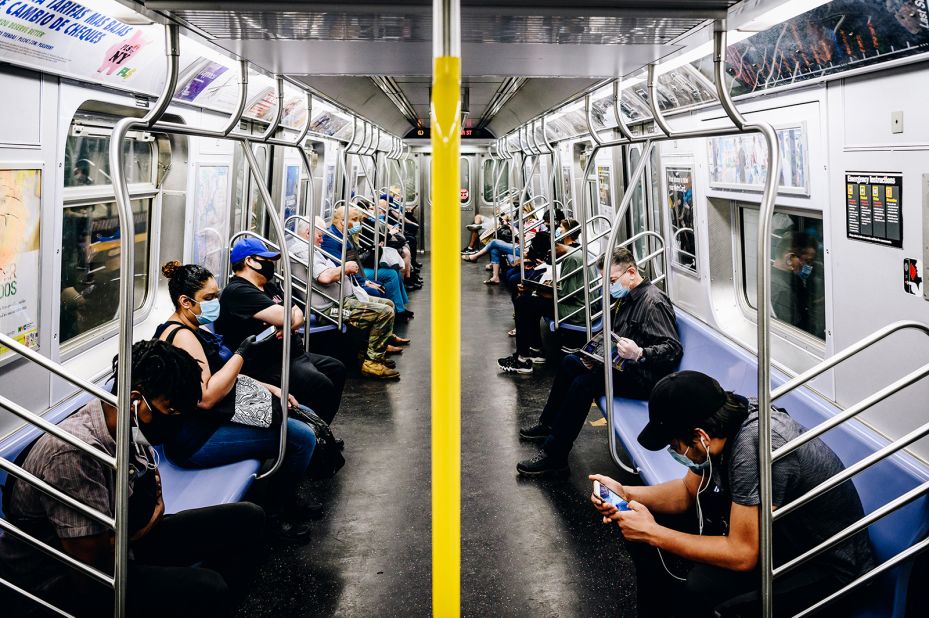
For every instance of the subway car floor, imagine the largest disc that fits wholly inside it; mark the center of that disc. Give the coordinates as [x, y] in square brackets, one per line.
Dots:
[528, 547]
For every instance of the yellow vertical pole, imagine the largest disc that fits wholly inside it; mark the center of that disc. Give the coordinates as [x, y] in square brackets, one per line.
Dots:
[446, 311]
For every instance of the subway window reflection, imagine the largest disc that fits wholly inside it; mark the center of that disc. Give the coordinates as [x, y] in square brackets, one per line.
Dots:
[797, 270]
[90, 265]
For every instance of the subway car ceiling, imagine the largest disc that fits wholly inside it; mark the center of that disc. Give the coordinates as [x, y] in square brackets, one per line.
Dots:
[520, 59]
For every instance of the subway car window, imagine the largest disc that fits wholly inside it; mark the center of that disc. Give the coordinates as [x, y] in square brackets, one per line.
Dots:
[90, 265]
[797, 269]
[465, 180]
[87, 161]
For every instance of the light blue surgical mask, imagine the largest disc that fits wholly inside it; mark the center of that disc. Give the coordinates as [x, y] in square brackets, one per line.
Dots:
[697, 468]
[209, 311]
[805, 271]
[617, 290]
[355, 228]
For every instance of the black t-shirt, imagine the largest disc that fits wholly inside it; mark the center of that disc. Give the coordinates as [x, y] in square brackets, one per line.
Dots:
[239, 302]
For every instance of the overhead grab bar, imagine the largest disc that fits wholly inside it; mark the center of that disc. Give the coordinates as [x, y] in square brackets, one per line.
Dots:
[278, 113]
[236, 116]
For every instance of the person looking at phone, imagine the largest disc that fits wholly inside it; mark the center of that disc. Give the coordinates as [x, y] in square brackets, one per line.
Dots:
[649, 346]
[714, 434]
[374, 315]
[251, 302]
[191, 563]
[213, 434]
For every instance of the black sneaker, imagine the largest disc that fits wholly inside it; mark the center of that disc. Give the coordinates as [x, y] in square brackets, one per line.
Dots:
[535, 433]
[512, 364]
[288, 531]
[307, 508]
[536, 357]
[468, 251]
[543, 464]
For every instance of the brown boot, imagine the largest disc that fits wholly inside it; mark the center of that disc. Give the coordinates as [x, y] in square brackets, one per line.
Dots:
[392, 349]
[374, 369]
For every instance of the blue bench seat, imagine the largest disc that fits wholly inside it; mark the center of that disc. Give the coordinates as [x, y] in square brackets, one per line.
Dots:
[595, 327]
[736, 369]
[183, 488]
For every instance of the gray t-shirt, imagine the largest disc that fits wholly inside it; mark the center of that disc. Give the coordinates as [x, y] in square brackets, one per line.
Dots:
[75, 473]
[320, 265]
[793, 476]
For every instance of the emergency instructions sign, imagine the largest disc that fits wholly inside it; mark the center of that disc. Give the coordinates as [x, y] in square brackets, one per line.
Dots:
[874, 207]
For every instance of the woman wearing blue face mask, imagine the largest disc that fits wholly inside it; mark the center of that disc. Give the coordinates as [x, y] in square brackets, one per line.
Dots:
[211, 437]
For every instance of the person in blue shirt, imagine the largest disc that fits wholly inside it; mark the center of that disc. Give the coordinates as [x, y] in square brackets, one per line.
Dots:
[390, 283]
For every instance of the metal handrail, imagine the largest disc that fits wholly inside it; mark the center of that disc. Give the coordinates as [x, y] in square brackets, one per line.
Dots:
[906, 554]
[125, 309]
[275, 219]
[852, 470]
[853, 528]
[236, 116]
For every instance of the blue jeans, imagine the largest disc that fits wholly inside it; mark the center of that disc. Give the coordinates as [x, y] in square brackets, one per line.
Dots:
[233, 442]
[392, 282]
[498, 248]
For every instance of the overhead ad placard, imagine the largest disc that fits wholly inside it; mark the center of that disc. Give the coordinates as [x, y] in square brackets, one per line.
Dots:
[874, 207]
[83, 40]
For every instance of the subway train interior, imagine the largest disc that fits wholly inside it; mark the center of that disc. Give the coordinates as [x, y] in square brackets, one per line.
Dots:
[302, 308]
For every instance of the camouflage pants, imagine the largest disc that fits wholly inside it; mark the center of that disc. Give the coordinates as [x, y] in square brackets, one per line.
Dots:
[376, 317]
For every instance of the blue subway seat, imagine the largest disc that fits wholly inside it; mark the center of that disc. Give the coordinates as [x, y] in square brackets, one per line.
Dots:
[183, 488]
[186, 488]
[735, 368]
[595, 327]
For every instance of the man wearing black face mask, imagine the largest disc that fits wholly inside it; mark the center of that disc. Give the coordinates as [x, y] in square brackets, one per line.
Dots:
[714, 434]
[251, 302]
[163, 580]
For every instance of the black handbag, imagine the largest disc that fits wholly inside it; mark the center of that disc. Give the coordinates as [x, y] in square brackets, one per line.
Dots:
[327, 456]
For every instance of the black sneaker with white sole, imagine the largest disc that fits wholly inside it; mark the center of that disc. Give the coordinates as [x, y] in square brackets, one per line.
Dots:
[543, 464]
[535, 433]
[512, 364]
[536, 357]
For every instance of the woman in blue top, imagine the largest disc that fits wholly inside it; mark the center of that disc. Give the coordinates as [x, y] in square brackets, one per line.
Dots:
[210, 438]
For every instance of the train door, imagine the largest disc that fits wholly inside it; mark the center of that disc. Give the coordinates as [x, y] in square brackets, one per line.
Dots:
[469, 202]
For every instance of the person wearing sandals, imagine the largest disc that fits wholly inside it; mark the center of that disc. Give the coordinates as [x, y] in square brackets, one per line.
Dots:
[239, 417]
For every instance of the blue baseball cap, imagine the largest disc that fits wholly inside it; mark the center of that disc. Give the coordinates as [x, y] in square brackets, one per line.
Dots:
[251, 247]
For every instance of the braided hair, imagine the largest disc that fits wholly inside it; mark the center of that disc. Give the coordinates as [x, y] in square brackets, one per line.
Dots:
[160, 369]
[184, 279]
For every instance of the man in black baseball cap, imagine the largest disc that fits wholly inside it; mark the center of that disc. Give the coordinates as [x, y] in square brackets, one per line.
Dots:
[714, 434]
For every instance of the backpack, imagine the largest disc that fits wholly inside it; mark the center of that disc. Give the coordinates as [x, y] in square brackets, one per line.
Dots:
[327, 456]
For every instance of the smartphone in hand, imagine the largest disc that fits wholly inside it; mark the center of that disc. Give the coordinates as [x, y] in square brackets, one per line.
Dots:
[608, 497]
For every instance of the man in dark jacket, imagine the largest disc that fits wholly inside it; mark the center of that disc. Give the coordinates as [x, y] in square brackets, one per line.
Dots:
[648, 345]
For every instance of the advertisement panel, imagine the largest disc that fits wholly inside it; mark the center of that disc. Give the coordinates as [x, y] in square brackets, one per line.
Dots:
[84, 40]
[20, 206]
[679, 185]
[211, 203]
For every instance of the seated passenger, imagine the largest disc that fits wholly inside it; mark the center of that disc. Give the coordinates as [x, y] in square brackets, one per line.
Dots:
[388, 279]
[374, 315]
[251, 302]
[649, 346]
[715, 435]
[213, 435]
[476, 228]
[532, 304]
[191, 563]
